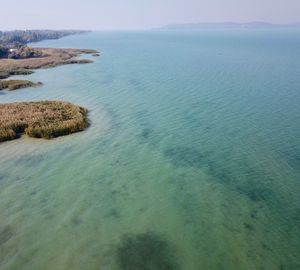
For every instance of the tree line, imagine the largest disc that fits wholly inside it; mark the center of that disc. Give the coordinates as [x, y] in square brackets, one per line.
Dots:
[13, 44]
[27, 36]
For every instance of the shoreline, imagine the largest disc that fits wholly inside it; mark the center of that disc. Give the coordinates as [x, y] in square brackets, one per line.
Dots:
[40, 119]
[50, 57]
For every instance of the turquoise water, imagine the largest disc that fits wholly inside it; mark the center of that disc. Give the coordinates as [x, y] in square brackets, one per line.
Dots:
[192, 160]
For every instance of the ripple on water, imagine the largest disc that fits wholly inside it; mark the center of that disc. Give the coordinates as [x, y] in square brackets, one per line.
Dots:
[293, 158]
[146, 133]
[30, 160]
[136, 84]
[185, 157]
[108, 79]
[253, 184]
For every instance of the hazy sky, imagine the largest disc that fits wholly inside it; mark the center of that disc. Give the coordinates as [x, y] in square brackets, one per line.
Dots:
[139, 14]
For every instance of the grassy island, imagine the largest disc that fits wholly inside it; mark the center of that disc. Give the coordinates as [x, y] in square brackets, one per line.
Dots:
[17, 84]
[44, 119]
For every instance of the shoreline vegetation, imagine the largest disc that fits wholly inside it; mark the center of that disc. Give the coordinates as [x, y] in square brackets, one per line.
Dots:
[49, 57]
[42, 119]
[23, 37]
[17, 58]
[12, 85]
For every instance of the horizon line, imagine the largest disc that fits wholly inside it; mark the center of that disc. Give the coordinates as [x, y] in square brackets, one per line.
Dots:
[157, 27]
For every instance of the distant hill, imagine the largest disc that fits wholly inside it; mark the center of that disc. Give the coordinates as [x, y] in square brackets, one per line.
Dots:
[228, 25]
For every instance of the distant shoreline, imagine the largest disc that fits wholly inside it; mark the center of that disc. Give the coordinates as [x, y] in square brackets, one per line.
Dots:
[24, 37]
[229, 25]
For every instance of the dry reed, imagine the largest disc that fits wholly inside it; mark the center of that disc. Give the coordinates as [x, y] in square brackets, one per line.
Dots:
[44, 119]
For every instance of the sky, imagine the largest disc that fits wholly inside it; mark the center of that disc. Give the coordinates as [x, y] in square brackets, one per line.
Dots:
[140, 14]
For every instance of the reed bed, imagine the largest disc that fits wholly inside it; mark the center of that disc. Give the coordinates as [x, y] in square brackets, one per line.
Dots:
[17, 84]
[50, 57]
[43, 119]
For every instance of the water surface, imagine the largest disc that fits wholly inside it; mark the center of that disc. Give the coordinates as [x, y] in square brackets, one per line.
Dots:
[192, 160]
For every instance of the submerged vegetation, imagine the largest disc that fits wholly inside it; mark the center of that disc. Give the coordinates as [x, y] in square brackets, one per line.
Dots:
[44, 119]
[146, 251]
[6, 232]
[17, 84]
[185, 156]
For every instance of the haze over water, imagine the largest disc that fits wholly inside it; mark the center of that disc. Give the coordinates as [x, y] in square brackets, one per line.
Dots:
[193, 151]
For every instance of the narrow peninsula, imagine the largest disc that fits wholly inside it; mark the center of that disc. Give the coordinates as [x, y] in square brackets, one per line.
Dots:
[17, 84]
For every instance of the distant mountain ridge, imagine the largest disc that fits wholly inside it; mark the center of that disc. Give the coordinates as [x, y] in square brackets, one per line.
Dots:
[229, 25]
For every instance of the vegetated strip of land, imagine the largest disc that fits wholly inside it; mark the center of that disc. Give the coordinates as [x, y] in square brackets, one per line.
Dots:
[17, 84]
[43, 119]
[16, 58]
[23, 37]
[49, 57]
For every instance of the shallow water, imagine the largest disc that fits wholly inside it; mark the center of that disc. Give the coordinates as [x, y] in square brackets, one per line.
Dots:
[193, 151]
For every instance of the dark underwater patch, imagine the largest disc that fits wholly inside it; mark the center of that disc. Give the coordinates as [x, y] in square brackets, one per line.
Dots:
[146, 133]
[221, 175]
[6, 233]
[248, 226]
[293, 159]
[146, 251]
[135, 83]
[254, 214]
[33, 193]
[30, 160]
[247, 180]
[186, 157]
[2, 177]
[76, 221]
[250, 182]
[113, 213]
[255, 192]
[108, 79]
